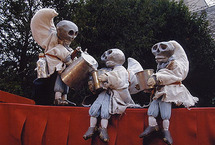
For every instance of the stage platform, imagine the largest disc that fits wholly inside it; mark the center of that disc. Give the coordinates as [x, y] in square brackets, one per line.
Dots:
[24, 123]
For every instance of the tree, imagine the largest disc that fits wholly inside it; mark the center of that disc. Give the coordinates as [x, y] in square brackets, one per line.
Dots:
[131, 25]
[134, 26]
[18, 50]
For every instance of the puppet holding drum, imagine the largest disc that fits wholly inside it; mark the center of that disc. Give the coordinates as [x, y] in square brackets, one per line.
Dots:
[59, 57]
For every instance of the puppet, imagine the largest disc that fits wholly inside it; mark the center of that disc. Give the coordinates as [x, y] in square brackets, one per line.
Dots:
[95, 86]
[172, 69]
[56, 44]
[115, 97]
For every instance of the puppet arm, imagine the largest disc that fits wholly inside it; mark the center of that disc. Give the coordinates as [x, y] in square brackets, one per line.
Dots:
[173, 73]
[111, 80]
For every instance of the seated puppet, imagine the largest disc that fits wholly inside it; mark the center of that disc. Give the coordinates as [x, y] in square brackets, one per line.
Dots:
[172, 69]
[56, 44]
[115, 97]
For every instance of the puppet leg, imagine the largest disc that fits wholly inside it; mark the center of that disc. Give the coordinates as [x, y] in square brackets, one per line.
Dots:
[153, 126]
[65, 101]
[95, 111]
[92, 129]
[103, 134]
[126, 97]
[59, 89]
[58, 98]
[105, 115]
[103, 130]
[58, 95]
[153, 112]
[167, 137]
[165, 109]
[166, 124]
[65, 92]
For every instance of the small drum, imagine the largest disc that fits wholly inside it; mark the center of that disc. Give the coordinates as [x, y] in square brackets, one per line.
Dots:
[95, 85]
[78, 71]
[142, 78]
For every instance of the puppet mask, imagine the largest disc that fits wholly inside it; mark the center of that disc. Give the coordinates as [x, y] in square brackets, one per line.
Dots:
[67, 30]
[162, 51]
[113, 57]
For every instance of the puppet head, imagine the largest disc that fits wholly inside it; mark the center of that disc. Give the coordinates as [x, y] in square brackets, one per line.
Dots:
[163, 51]
[67, 30]
[113, 57]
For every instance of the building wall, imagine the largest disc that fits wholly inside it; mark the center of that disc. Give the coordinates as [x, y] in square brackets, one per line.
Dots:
[211, 18]
[203, 5]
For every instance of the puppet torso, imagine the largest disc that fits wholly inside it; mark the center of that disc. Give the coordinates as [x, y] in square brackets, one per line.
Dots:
[56, 57]
[172, 90]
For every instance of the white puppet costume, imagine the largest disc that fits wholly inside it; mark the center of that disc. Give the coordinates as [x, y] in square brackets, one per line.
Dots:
[133, 67]
[55, 41]
[116, 96]
[172, 69]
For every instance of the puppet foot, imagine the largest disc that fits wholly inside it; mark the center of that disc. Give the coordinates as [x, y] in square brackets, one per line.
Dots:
[70, 103]
[57, 101]
[90, 132]
[103, 134]
[60, 102]
[148, 131]
[167, 137]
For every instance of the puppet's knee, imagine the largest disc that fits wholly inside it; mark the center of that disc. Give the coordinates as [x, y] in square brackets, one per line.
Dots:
[153, 109]
[165, 110]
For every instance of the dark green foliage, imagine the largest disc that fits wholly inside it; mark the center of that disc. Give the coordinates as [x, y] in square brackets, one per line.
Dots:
[131, 25]
[18, 50]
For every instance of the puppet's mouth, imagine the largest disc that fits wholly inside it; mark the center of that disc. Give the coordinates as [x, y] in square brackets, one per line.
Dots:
[161, 59]
[110, 63]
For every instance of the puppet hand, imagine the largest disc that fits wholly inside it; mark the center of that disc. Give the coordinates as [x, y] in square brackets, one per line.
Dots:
[171, 65]
[151, 81]
[148, 91]
[106, 85]
[103, 78]
[91, 86]
[78, 48]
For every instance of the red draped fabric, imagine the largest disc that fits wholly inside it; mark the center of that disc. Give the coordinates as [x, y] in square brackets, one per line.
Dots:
[27, 124]
[11, 98]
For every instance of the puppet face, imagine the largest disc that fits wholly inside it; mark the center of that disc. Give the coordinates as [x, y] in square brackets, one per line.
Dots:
[67, 30]
[113, 57]
[163, 51]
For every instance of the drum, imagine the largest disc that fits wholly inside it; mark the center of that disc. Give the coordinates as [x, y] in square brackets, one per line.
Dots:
[97, 85]
[78, 71]
[142, 78]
